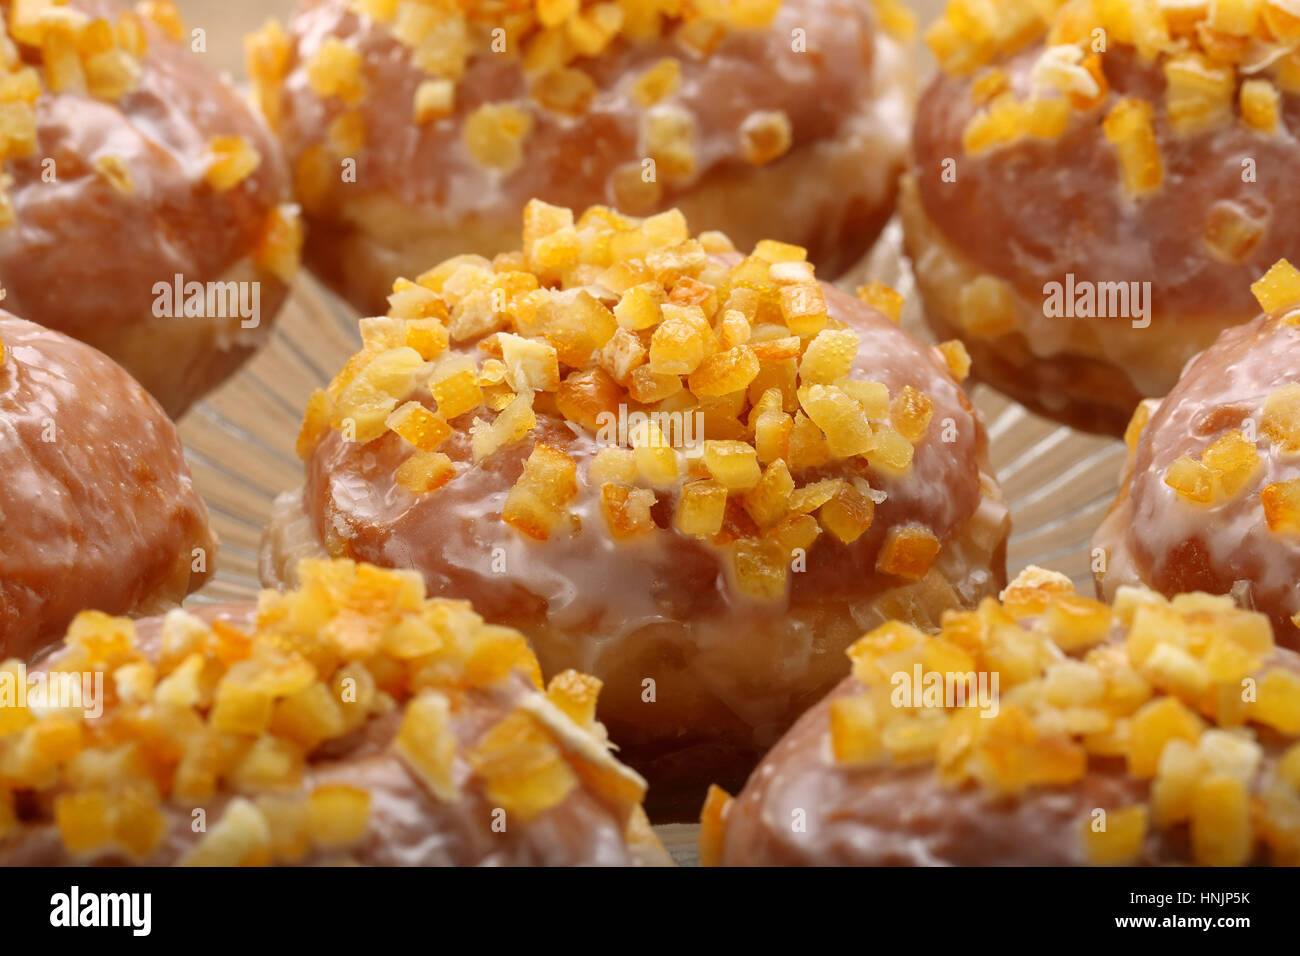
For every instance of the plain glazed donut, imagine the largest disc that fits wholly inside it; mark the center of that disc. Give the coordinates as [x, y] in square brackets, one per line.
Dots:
[96, 503]
[1060, 198]
[802, 468]
[419, 130]
[1117, 736]
[1210, 492]
[349, 721]
[131, 171]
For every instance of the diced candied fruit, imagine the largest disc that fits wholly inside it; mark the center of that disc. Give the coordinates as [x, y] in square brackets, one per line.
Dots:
[1191, 480]
[702, 507]
[627, 510]
[1278, 703]
[614, 464]
[829, 356]
[1198, 93]
[418, 426]
[1279, 288]
[908, 551]
[575, 693]
[338, 815]
[1261, 104]
[807, 446]
[840, 418]
[521, 767]
[434, 99]
[883, 299]
[495, 134]
[1174, 669]
[713, 825]
[457, 392]
[656, 459]
[847, 515]
[957, 358]
[233, 159]
[426, 744]
[658, 82]
[1233, 461]
[648, 386]
[537, 501]
[1281, 501]
[855, 731]
[677, 347]
[987, 307]
[891, 452]
[733, 463]
[803, 307]
[1074, 622]
[622, 355]
[768, 502]
[335, 69]
[760, 569]
[765, 136]
[1119, 842]
[530, 364]
[911, 412]
[1128, 128]
[1153, 727]
[1220, 822]
[566, 90]
[1233, 231]
[723, 372]
[425, 472]
[669, 132]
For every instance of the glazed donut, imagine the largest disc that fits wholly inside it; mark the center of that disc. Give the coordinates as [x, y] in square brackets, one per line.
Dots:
[96, 503]
[1112, 736]
[1210, 492]
[352, 720]
[143, 202]
[694, 475]
[418, 131]
[1088, 221]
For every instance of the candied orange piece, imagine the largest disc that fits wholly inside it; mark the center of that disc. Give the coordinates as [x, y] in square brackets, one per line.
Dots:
[495, 133]
[713, 825]
[457, 393]
[232, 160]
[908, 551]
[1220, 822]
[702, 507]
[586, 395]
[855, 731]
[1281, 501]
[337, 815]
[803, 307]
[1281, 419]
[1120, 842]
[434, 99]
[1191, 479]
[768, 502]
[677, 347]
[1261, 105]
[1153, 727]
[418, 426]
[733, 463]
[760, 569]
[84, 820]
[575, 693]
[1233, 460]
[1074, 622]
[883, 299]
[891, 452]
[987, 307]
[957, 358]
[1278, 705]
[627, 510]
[911, 412]
[426, 744]
[335, 70]
[765, 136]
[829, 356]
[840, 418]
[424, 472]
[521, 767]
[1129, 129]
[1279, 288]
[658, 82]
[537, 501]
[847, 515]
[724, 372]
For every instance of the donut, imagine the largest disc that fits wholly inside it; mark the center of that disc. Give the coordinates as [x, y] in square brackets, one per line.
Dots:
[694, 474]
[351, 720]
[1091, 193]
[96, 503]
[1045, 729]
[418, 131]
[1209, 496]
[144, 207]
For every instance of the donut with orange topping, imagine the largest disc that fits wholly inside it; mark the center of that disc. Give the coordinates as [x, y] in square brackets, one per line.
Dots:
[692, 473]
[419, 129]
[96, 502]
[1210, 492]
[1149, 732]
[352, 720]
[1096, 183]
[143, 204]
